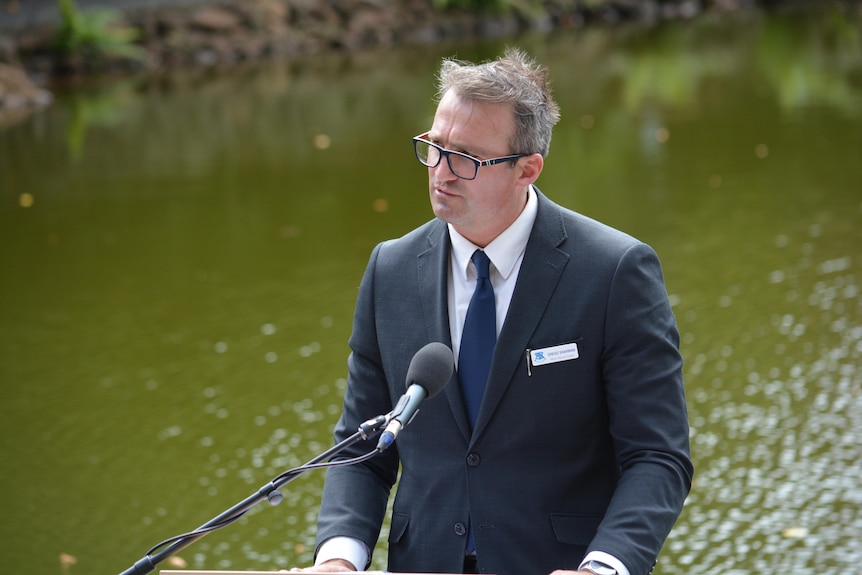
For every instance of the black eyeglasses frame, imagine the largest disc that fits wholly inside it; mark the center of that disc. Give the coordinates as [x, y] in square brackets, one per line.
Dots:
[423, 139]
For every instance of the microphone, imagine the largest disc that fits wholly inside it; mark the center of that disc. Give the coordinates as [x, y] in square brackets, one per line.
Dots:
[428, 373]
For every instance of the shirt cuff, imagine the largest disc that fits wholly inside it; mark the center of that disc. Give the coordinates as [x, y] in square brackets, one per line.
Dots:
[607, 559]
[346, 548]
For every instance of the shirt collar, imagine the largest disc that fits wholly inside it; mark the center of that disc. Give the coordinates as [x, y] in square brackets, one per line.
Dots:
[506, 249]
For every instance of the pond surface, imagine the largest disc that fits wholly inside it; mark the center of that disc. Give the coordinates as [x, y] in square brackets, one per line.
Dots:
[180, 259]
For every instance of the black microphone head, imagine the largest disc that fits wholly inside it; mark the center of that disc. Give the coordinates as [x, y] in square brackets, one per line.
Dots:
[431, 367]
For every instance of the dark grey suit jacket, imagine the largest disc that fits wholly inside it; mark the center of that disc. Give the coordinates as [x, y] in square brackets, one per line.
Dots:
[585, 454]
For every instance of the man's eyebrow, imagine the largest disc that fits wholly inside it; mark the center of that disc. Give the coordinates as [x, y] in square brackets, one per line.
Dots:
[459, 149]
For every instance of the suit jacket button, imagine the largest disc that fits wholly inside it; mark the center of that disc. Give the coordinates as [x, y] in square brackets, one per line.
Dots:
[460, 529]
[473, 460]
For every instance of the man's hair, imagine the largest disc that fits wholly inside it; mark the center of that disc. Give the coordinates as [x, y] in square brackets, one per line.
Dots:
[513, 79]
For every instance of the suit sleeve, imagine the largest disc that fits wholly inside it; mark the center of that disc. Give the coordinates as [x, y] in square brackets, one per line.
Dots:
[642, 372]
[355, 497]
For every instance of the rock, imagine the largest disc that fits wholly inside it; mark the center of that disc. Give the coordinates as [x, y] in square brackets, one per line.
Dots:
[16, 89]
[367, 27]
[268, 15]
[19, 96]
[215, 19]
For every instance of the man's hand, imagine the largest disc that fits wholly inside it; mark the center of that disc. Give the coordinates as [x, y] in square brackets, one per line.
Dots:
[331, 566]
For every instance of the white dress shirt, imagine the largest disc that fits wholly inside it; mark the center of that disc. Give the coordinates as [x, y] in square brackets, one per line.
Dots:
[506, 253]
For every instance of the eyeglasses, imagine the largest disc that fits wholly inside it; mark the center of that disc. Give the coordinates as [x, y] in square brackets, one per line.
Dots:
[462, 165]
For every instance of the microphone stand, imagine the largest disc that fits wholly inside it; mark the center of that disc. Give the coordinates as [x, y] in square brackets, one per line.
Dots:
[269, 492]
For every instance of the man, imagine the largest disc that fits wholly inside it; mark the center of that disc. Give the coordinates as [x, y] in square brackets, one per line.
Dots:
[571, 452]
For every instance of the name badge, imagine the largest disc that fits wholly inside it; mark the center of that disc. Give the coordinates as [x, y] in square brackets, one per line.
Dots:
[553, 354]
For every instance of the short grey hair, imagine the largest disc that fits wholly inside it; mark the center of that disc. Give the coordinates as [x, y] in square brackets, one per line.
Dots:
[513, 79]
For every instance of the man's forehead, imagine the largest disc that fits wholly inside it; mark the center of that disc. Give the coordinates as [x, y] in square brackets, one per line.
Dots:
[470, 124]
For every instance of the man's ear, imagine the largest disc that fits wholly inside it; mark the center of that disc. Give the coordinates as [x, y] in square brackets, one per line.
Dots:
[530, 167]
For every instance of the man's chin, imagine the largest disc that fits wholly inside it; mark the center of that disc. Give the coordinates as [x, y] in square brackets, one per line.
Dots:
[442, 210]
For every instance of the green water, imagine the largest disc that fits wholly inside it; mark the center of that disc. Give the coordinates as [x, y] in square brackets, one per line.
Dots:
[179, 259]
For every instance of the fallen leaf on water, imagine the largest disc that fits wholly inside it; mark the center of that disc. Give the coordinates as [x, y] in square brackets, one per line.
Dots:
[380, 205]
[795, 532]
[67, 561]
[322, 142]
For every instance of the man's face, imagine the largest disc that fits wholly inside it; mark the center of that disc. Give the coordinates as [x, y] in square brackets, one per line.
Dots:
[482, 208]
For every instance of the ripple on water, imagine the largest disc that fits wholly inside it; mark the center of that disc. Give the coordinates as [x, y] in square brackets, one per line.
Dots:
[777, 484]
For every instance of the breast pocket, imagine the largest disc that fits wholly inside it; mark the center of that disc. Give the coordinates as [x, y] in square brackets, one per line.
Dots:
[563, 377]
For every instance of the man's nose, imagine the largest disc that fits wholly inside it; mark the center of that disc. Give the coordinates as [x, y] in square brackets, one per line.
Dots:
[443, 171]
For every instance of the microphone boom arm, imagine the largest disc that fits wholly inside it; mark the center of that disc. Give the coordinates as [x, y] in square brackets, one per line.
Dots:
[269, 492]
[429, 370]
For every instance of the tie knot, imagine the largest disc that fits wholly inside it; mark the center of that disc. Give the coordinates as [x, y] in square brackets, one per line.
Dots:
[482, 263]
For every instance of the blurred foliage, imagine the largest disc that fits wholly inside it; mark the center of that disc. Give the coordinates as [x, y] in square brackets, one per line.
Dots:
[94, 35]
[818, 70]
[105, 107]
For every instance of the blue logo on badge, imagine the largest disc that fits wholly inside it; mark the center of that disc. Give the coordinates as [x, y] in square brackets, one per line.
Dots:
[539, 356]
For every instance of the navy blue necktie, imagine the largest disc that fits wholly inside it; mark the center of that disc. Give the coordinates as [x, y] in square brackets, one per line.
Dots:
[478, 338]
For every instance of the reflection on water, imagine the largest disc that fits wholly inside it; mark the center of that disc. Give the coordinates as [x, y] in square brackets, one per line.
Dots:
[180, 260]
[776, 418]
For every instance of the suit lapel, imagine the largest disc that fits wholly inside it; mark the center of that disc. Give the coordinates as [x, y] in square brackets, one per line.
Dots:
[432, 265]
[540, 273]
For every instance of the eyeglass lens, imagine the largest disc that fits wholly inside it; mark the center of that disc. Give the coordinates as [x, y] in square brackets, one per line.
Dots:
[461, 166]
